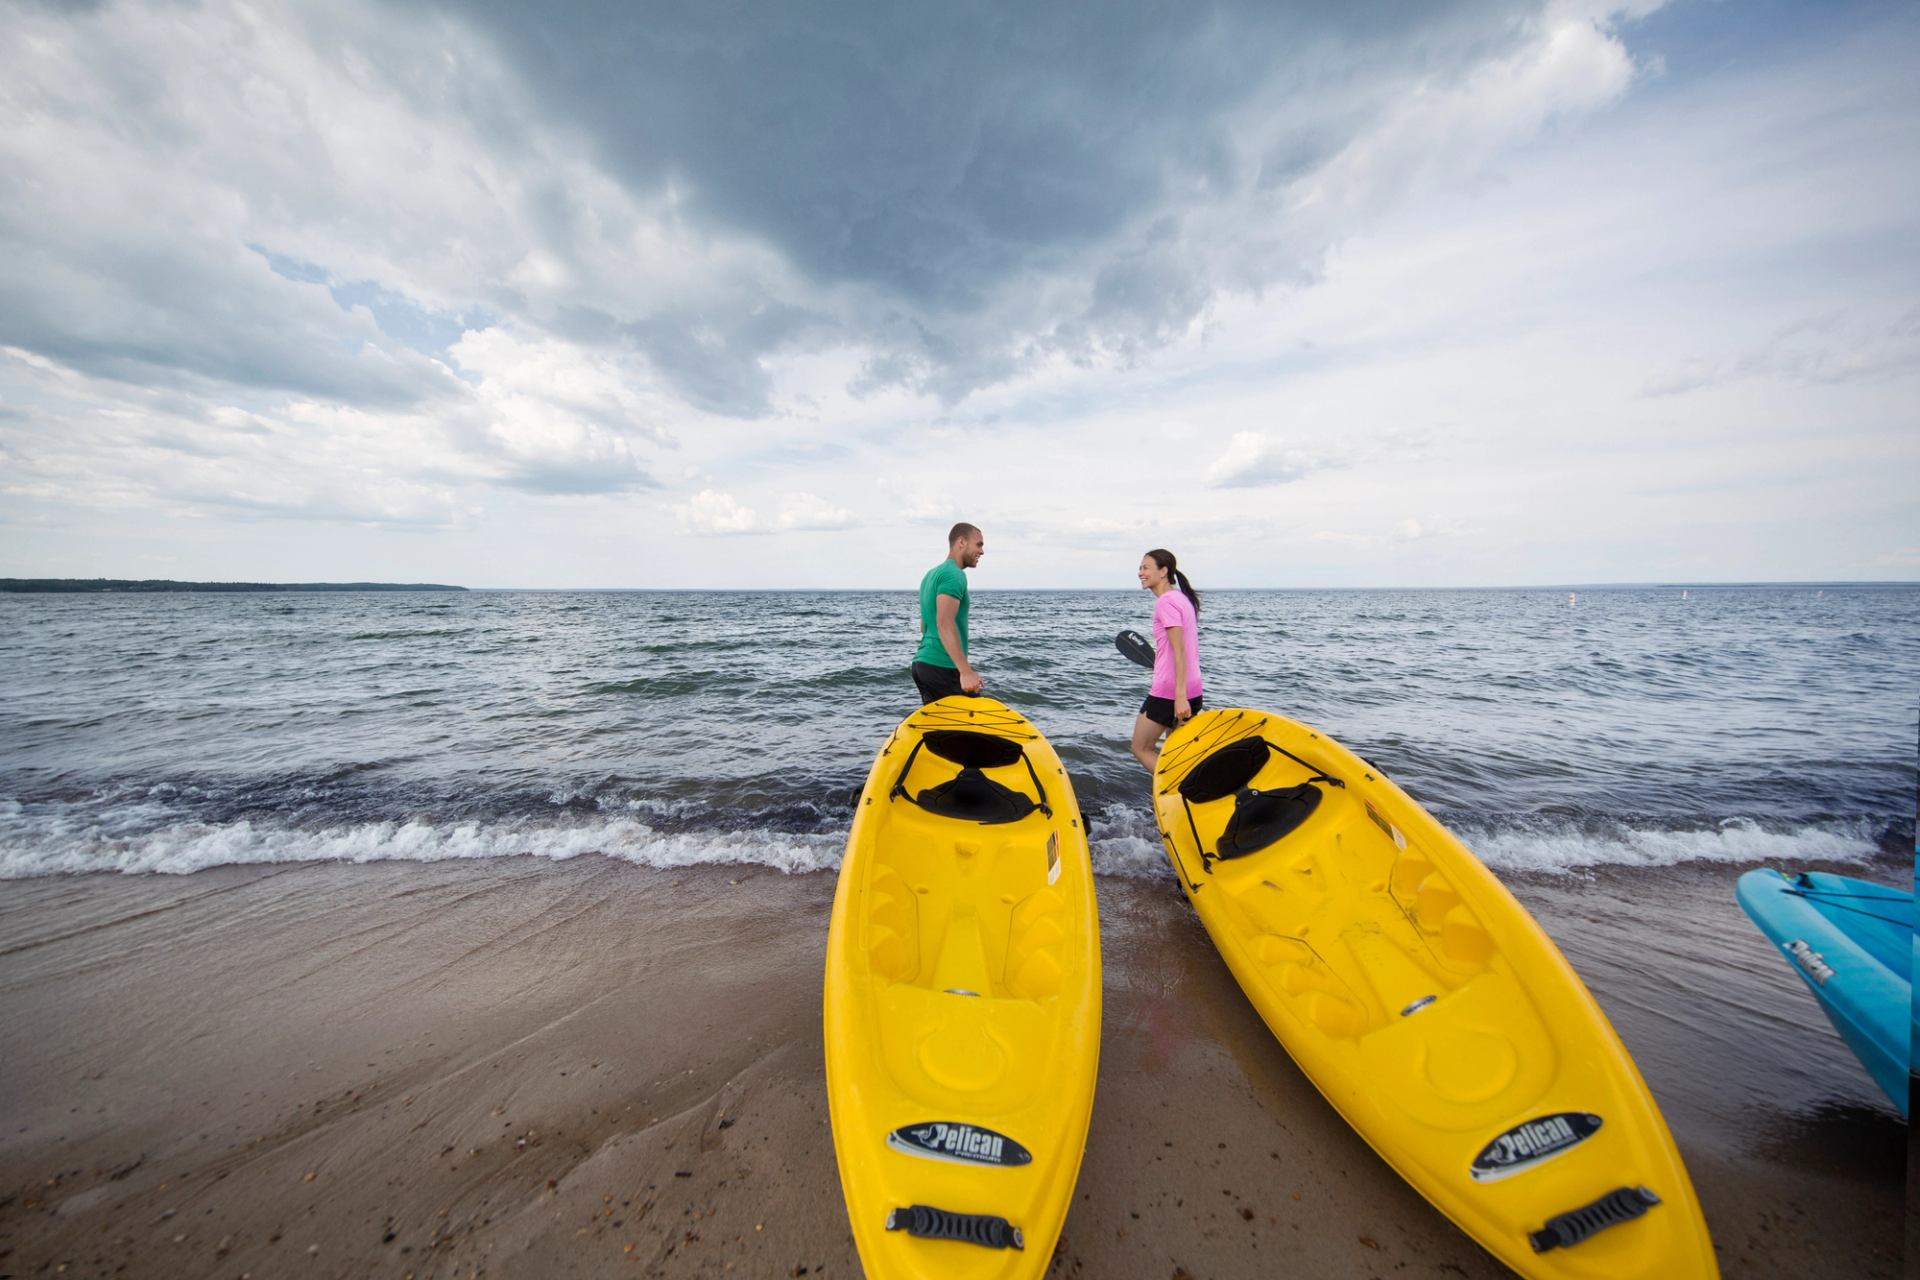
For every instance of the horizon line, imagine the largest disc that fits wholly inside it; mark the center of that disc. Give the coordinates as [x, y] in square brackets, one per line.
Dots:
[1731, 584]
[1662, 584]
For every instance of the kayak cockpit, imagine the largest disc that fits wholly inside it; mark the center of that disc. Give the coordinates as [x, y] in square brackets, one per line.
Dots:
[972, 794]
[1259, 818]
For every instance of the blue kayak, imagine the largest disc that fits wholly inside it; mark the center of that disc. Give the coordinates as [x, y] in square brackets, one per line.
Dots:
[1852, 942]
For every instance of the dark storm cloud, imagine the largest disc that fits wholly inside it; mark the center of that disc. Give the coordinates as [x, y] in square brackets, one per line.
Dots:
[957, 163]
[933, 148]
[320, 200]
[711, 356]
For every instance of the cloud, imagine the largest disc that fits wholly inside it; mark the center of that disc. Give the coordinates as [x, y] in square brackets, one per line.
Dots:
[964, 196]
[137, 161]
[711, 513]
[533, 417]
[1254, 459]
[377, 501]
[806, 512]
[971, 194]
[319, 463]
[1833, 347]
[928, 498]
[425, 328]
[1452, 122]
[1407, 530]
[547, 417]
[587, 274]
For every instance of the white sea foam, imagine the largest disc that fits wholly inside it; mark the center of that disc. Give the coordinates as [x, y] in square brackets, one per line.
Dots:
[1549, 847]
[1125, 843]
[29, 848]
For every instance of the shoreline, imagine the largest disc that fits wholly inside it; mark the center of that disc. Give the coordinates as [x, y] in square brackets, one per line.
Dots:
[518, 1066]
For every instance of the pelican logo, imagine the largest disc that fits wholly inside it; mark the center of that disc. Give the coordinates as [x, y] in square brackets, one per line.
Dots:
[1526, 1145]
[961, 1143]
[1812, 961]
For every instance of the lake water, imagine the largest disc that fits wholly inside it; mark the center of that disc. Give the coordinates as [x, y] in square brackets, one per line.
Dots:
[1636, 728]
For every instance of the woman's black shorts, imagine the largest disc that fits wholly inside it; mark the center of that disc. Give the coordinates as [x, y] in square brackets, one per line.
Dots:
[1160, 710]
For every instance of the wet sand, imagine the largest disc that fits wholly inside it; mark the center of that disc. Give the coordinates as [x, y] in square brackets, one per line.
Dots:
[514, 1067]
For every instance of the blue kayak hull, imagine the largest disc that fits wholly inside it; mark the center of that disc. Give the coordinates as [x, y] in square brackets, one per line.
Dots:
[1852, 943]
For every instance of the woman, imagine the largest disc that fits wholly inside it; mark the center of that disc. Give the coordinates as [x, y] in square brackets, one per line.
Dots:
[1176, 689]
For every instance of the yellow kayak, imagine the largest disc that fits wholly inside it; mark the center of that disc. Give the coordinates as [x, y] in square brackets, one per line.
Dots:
[962, 998]
[1424, 1002]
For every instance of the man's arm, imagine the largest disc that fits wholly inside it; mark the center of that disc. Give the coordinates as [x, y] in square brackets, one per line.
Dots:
[947, 613]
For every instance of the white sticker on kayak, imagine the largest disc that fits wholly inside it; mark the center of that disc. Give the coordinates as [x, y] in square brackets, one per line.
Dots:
[1393, 832]
[1526, 1145]
[1812, 961]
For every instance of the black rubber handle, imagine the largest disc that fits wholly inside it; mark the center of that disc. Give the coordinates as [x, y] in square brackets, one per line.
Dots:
[984, 1229]
[1564, 1230]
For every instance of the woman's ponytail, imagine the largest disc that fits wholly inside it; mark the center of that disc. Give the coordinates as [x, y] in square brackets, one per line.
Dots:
[1165, 559]
[1186, 589]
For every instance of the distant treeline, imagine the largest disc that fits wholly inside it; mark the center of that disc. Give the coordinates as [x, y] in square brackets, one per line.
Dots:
[168, 584]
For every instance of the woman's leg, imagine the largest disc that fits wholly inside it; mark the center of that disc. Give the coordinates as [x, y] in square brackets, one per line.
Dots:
[1146, 741]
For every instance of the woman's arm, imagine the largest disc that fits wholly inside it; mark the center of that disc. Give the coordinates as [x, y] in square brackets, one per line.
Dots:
[1177, 641]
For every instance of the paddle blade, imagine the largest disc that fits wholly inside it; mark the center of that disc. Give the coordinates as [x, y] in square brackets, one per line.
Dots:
[1135, 647]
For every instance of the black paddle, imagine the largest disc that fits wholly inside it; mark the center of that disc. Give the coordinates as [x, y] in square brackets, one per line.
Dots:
[1135, 647]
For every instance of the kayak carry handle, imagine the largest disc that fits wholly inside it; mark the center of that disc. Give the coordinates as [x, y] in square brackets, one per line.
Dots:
[990, 1231]
[1564, 1230]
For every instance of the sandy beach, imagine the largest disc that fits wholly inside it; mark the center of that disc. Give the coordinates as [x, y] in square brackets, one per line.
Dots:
[518, 1067]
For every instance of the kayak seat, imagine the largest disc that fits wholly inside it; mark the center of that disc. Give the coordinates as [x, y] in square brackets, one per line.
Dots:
[978, 750]
[1226, 771]
[1262, 818]
[972, 796]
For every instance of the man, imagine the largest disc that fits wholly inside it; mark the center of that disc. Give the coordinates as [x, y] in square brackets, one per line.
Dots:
[940, 666]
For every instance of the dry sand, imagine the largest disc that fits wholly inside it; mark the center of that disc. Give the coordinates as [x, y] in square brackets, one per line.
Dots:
[515, 1067]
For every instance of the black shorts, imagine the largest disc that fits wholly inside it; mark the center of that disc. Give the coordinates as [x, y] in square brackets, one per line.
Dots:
[1160, 710]
[936, 683]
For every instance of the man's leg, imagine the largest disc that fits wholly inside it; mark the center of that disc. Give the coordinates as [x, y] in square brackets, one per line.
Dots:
[934, 682]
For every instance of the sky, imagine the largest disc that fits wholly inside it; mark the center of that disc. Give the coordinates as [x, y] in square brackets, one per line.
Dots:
[756, 294]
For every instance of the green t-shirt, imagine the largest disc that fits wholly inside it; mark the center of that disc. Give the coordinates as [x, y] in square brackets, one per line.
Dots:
[944, 579]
